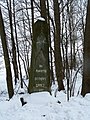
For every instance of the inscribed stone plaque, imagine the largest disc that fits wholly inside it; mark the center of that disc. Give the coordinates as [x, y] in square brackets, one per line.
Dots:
[39, 71]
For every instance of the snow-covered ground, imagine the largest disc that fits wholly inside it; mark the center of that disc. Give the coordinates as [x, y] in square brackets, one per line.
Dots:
[41, 105]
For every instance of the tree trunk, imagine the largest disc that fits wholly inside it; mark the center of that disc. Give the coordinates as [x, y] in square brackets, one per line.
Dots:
[86, 64]
[43, 8]
[58, 58]
[6, 58]
[14, 60]
[32, 13]
[18, 54]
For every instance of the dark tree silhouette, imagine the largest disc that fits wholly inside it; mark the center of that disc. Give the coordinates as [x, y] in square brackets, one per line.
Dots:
[58, 58]
[86, 63]
[6, 58]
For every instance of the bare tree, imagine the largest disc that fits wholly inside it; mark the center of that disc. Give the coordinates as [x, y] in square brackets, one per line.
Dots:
[14, 58]
[6, 57]
[16, 37]
[57, 41]
[86, 63]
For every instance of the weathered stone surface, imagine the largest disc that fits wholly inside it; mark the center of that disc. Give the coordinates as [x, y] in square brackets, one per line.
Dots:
[39, 70]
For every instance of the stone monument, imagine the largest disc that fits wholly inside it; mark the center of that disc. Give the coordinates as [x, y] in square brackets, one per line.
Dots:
[39, 79]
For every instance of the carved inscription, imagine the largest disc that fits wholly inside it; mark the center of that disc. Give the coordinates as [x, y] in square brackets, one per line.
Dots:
[41, 71]
[40, 78]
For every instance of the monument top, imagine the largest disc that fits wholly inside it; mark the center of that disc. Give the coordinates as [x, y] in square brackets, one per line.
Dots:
[41, 19]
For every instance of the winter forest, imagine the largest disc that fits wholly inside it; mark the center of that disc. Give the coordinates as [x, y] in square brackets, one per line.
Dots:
[67, 31]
